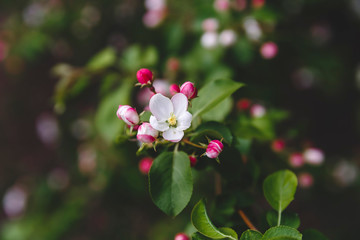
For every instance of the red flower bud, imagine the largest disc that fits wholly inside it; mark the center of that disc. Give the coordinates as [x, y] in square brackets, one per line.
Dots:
[145, 165]
[243, 104]
[174, 89]
[296, 160]
[193, 160]
[181, 236]
[278, 145]
[214, 148]
[146, 133]
[189, 90]
[144, 76]
[306, 180]
[258, 3]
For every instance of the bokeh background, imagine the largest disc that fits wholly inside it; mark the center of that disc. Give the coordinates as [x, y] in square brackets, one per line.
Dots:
[65, 171]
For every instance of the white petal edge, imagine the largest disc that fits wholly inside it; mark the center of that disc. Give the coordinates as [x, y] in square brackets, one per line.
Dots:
[184, 121]
[180, 103]
[161, 107]
[158, 125]
[173, 135]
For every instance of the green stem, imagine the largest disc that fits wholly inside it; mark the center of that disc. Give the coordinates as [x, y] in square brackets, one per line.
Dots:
[279, 217]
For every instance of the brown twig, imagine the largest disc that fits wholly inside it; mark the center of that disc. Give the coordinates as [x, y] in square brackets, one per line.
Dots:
[247, 220]
[193, 144]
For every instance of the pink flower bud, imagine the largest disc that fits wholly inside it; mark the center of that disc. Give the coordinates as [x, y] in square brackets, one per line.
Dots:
[145, 165]
[181, 236]
[193, 160]
[243, 104]
[173, 64]
[258, 3]
[221, 5]
[214, 148]
[189, 90]
[269, 50]
[314, 156]
[210, 24]
[128, 115]
[144, 76]
[296, 160]
[258, 111]
[278, 145]
[306, 180]
[146, 133]
[174, 89]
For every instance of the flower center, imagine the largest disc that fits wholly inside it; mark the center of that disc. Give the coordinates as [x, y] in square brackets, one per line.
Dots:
[172, 120]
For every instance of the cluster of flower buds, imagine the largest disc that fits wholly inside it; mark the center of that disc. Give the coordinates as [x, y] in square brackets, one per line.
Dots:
[188, 89]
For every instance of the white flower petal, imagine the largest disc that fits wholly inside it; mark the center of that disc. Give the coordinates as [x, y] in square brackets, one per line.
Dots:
[158, 125]
[180, 103]
[161, 107]
[173, 135]
[184, 121]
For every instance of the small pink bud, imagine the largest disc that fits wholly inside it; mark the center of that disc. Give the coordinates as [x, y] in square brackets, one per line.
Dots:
[144, 76]
[296, 160]
[210, 24]
[258, 3]
[146, 133]
[221, 5]
[278, 145]
[306, 180]
[128, 115]
[258, 111]
[181, 236]
[243, 104]
[145, 165]
[174, 89]
[314, 156]
[189, 90]
[269, 50]
[193, 160]
[214, 148]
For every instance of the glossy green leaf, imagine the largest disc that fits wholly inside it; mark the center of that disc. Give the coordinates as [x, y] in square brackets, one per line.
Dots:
[229, 231]
[212, 94]
[103, 59]
[282, 233]
[213, 129]
[251, 235]
[202, 223]
[279, 189]
[199, 236]
[220, 111]
[106, 121]
[287, 219]
[171, 182]
[312, 234]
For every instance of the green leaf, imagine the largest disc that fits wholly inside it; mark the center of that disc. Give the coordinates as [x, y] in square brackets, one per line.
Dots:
[251, 235]
[243, 145]
[312, 234]
[287, 219]
[279, 189]
[213, 129]
[229, 231]
[103, 59]
[282, 233]
[106, 121]
[219, 112]
[199, 236]
[212, 94]
[171, 182]
[202, 223]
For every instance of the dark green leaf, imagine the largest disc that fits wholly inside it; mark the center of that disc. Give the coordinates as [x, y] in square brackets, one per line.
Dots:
[282, 233]
[287, 219]
[312, 234]
[171, 182]
[243, 145]
[199, 236]
[251, 235]
[212, 94]
[213, 129]
[279, 189]
[202, 223]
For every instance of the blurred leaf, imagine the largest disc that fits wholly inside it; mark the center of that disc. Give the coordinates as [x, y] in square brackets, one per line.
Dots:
[287, 219]
[220, 112]
[202, 223]
[312, 234]
[171, 182]
[136, 57]
[243, 145]
[251, 235]
[145, 117]
[213, 129]
[212, 94]
[279, 189]
[282, 233]
[106, 121]
[104, 59]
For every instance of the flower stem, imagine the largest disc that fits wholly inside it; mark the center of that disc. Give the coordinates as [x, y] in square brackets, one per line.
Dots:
[193, 144]
[247, 220]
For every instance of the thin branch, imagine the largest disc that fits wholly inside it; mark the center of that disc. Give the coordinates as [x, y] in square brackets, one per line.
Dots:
[247, 220]
[193, 144]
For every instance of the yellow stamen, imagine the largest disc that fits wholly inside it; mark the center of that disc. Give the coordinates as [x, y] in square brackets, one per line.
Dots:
[172, 120]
